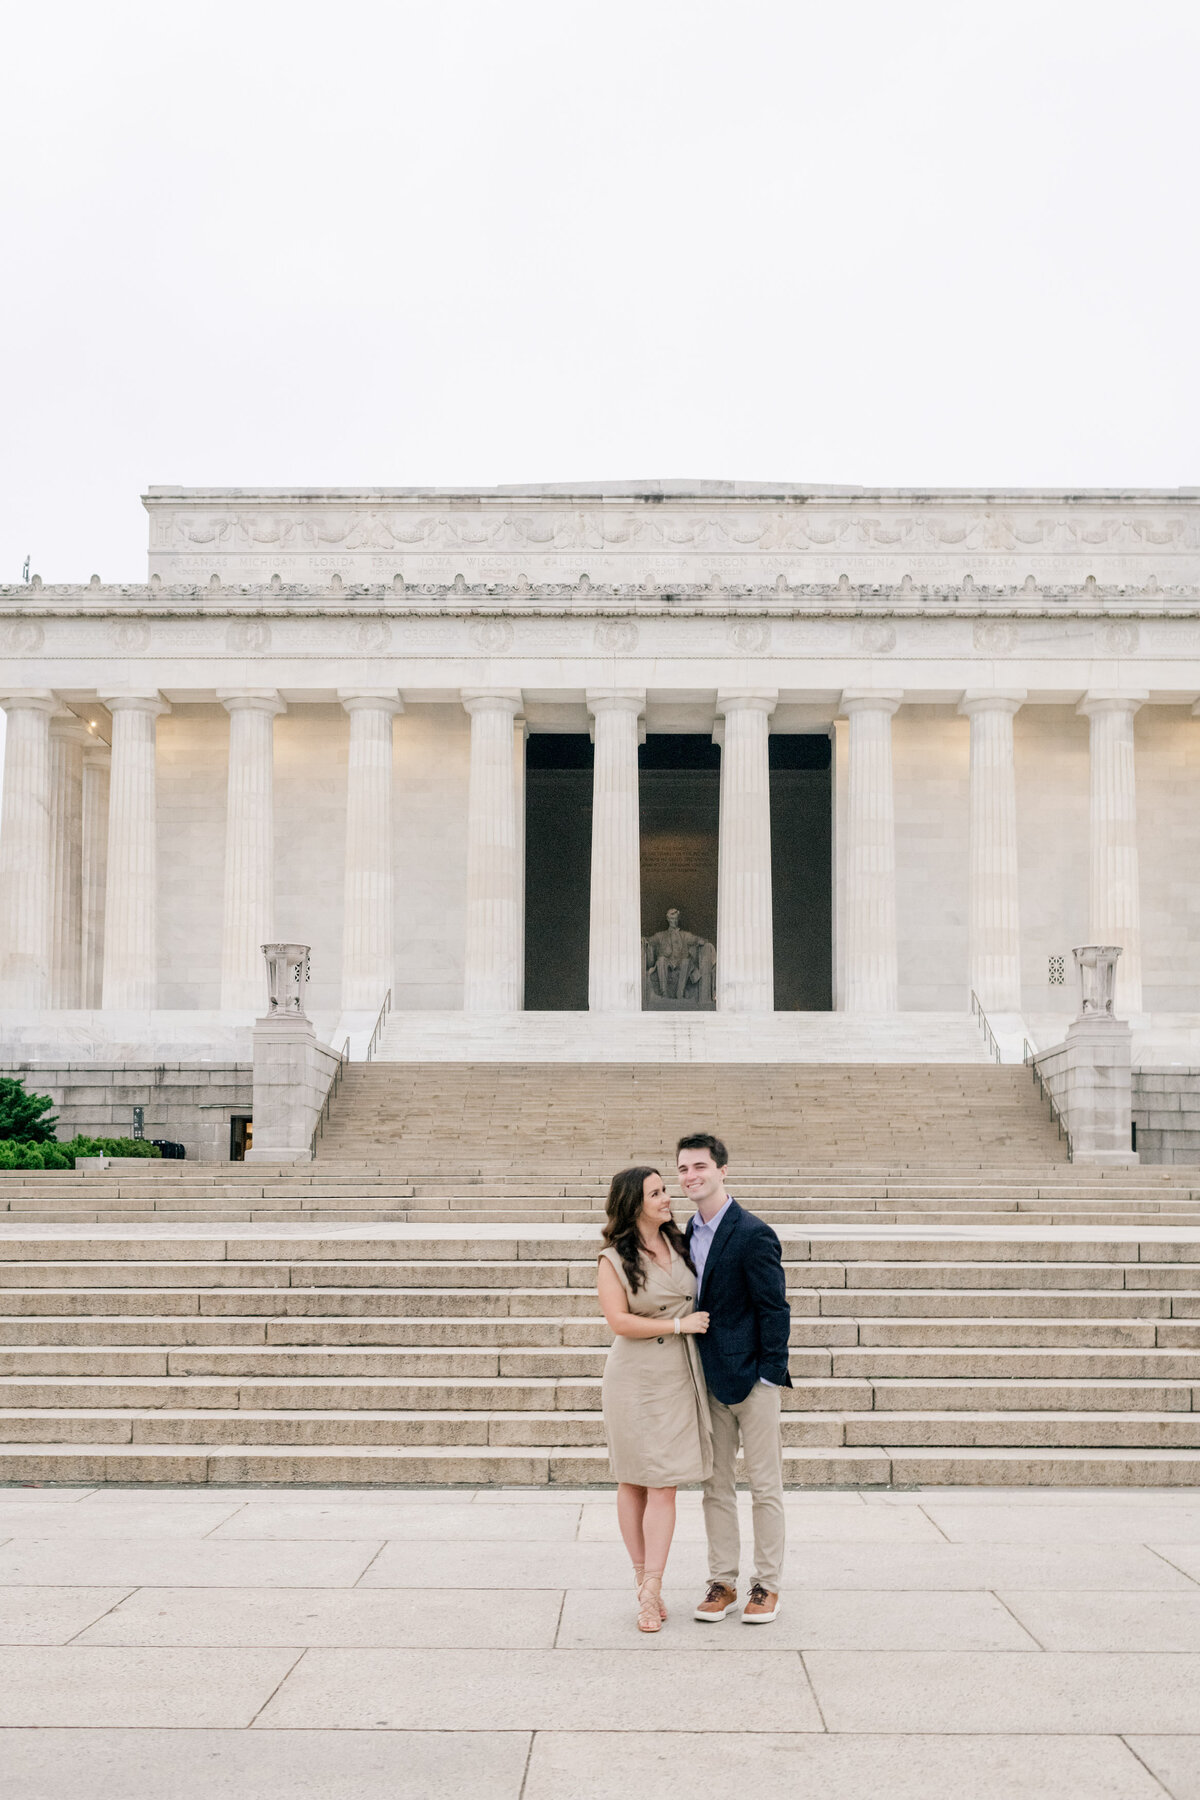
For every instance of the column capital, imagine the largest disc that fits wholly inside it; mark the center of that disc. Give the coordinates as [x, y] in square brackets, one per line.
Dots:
[29, 700]
[509, 700]
[620, 700]
[371, 700]
[1002, 700]
[1107, 700]
[67, 725]
[762, 700]
[884, 700]
[266, 700]
[148, 700]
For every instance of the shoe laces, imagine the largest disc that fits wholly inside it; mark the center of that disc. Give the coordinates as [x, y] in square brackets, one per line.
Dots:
[758, 1594]
[715, 1590]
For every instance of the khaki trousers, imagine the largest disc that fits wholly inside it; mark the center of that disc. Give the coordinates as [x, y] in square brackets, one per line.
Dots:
[755, 1420]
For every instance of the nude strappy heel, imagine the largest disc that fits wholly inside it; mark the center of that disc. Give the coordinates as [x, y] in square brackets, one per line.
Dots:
[650, 1617]
[639, 1575]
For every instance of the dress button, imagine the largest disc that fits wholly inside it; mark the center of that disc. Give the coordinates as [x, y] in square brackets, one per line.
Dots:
[662, 1340]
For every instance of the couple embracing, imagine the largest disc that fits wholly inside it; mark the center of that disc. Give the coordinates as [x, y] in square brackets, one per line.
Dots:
[701, 1322]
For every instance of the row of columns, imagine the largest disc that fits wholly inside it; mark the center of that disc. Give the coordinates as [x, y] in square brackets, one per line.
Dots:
[78, 877]
[869, 967]
[78, 852]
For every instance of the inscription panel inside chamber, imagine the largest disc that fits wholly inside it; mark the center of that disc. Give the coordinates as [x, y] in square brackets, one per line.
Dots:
[679, 791]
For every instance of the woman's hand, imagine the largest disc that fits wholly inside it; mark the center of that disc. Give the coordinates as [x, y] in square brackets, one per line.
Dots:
[696, 1324]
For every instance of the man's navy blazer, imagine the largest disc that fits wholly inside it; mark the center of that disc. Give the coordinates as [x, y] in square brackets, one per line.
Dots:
[743, 1290]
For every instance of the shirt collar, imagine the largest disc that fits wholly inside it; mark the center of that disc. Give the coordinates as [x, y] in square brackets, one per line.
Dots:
[711, 1224]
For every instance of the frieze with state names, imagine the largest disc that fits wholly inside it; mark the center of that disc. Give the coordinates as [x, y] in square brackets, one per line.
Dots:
[634, 538]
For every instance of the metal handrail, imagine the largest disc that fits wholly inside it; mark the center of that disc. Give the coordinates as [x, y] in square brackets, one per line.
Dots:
[989, 1036]
[331, 1090]
[384, 1010]
[1029, 1056]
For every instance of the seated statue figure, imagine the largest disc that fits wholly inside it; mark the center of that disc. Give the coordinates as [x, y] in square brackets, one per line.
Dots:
[681, 966]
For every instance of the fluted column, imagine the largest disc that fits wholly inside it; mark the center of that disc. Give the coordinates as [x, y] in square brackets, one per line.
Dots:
[368, 953]
[26, 824]
[249, 902]
[68, 738]
[494, 952]
[993, 929]
[745, 943]
[1114, 900]
[131, 899]
[615, 930]
[96, 761]
[869, 907]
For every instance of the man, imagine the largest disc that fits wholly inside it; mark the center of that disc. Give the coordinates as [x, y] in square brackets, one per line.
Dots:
[678, 958]
[740, 1284]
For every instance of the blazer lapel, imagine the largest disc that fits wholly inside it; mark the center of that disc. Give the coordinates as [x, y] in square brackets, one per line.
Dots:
[724, 1233]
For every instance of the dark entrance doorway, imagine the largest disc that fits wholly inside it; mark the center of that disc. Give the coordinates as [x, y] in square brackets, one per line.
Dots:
[558, 870]
[802, 871]
[679, 786]
[679, 797]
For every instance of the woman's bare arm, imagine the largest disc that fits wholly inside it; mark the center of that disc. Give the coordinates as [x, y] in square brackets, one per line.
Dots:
[622, 1323]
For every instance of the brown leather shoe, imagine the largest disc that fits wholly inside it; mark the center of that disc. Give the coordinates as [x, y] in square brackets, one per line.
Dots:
[761, 1607]
[716, 1603]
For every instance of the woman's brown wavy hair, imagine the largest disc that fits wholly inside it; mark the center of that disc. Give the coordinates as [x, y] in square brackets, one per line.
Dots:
[620, 1231]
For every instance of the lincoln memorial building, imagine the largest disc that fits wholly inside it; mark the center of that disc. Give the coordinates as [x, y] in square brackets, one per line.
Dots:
[872, 751]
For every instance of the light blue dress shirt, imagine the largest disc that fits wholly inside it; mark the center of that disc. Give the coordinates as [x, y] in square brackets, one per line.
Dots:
[703, 1233]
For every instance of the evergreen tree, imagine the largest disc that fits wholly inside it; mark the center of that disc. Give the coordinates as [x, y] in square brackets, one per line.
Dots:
[25, 1117]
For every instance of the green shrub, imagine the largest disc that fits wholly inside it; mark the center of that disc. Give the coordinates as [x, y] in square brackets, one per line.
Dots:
[24, 1118]
[91, 1146]
[15, 1155]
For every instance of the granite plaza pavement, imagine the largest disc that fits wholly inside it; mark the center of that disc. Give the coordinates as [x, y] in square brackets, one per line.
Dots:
[357, 1644]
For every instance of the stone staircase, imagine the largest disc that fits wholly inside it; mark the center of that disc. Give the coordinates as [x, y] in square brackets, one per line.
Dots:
[417, 1306]
[812, 1145]
[472, 1354]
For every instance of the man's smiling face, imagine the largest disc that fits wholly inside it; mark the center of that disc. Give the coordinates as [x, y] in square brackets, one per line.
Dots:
[699, 1176]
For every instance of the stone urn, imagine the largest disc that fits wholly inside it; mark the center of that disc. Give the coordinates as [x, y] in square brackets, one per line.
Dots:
[1097, 966]
[287, 973]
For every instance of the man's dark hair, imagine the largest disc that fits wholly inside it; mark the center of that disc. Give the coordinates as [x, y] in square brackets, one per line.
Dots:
[704, 1140]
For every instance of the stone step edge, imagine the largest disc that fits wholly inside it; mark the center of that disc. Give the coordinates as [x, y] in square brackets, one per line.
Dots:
[482, 1465]
[482, 1416]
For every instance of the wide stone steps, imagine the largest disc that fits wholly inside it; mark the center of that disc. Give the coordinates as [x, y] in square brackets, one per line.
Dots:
[554, 1121]
[361, 1332]
[823, 1466]
[349, 1305]
[474, 1353]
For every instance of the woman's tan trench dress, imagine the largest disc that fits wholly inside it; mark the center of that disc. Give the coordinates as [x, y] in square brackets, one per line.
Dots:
[655, 1400]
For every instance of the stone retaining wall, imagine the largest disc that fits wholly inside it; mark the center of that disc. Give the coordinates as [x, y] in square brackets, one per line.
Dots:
[1166, 1111]
[190, 1103]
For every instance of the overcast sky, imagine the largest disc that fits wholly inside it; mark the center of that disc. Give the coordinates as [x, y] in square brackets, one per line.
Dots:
[478, 241]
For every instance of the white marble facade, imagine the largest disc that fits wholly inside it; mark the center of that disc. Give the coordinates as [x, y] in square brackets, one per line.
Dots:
[310, 723]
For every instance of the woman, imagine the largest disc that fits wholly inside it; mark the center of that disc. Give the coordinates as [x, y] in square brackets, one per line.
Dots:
[655, 1400]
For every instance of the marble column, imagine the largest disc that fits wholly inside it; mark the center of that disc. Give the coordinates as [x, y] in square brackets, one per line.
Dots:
[96, 761]
[130, 900]
[745, 944]
[26, 826]
[615, 932]
[1114, 900]
[249, 897]
[494, 953]
[993, 926]
[368, 950]
[520, 740]
[69, 737]
[869, 960]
